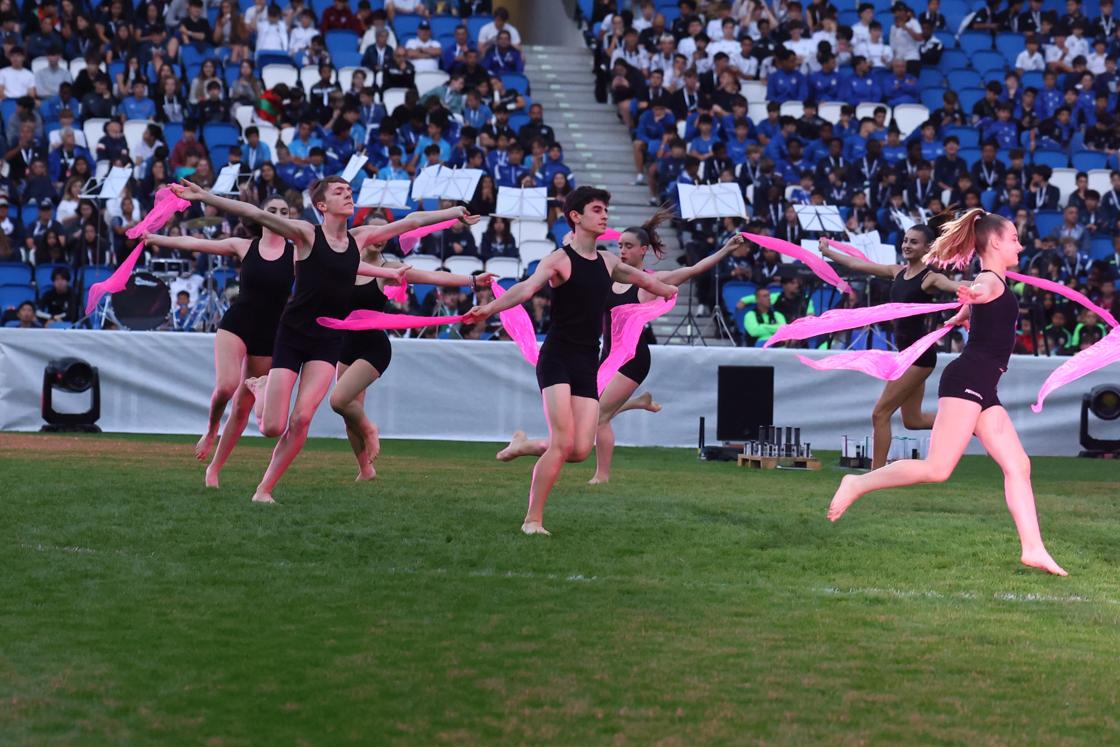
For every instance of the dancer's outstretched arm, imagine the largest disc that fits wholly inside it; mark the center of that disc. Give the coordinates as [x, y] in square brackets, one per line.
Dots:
[858, 265]
[447, 279]
[299, 231]
[229, 247]
[935, 282]
[684, 274]
[367, 235]
[518, 293]
[984, 288]
[624, 273]
[396, 274]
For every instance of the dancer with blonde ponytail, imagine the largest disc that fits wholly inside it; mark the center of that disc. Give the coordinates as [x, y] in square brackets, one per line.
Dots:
[967, 400]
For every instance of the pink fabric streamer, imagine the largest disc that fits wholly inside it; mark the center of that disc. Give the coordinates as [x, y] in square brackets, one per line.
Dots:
[409, 239]
[1094, 358]
[518, 326]
[1070, 293]
[880, 364]
[838, 320]
[167, 204]
[627, 323]
[820, 268]
[398, 293]
[848, 249]
[609, 235]
[364, 320]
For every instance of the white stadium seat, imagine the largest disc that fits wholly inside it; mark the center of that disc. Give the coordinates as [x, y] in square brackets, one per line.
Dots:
[423, 262]
[910, 117]
[531, 251]
[274, 75]
[463, 265]
[504, 267]
[528, 230]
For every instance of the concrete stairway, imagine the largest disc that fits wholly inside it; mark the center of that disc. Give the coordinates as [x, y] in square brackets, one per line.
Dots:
[597, 148]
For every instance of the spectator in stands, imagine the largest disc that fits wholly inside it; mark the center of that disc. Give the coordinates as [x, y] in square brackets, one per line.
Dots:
[497, 241]
[1071, 228]
[58, 303]
[449, 94]
[502, 57]
[901, 87]
[456, 52]
[188, 147]
[762, 321]
[423, 50]
[43, 224]
[1042, 195]
[400, 73]
[52, 75]
[488, 34]
[272, 31]
[17, 81]
[194, 30]
[407, 7]
[180, 315]
[138, 105]
[25, 316]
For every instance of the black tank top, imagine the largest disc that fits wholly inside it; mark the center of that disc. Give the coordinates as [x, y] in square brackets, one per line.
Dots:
[368, 296]
[628, 296]
[992, 334]
[907, 330]
[579, 304]
[324, 284]
[266, 284]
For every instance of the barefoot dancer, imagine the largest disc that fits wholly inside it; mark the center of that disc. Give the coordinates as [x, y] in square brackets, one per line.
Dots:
[580, 277]
[243, 343]
[327, 262]
[967, 401]
[913, 283]
[366, 355]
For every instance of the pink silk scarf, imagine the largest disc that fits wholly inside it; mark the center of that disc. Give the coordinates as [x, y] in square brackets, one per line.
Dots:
[627, 323]
[881, 364]
[409, 239]
[1094, 358]
[167, 204]
[820, 268]
[848, 249]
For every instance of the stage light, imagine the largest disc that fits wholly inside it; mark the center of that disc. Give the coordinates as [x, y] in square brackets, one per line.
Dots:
[75, 376]
[1104, 402]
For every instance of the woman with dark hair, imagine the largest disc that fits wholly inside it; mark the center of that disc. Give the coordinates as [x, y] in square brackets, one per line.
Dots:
[247, 87]
[485, 199]
[558, 189]
[913, 282]
[967, 399]
[267, 184]
[497, 241]
[170, 104]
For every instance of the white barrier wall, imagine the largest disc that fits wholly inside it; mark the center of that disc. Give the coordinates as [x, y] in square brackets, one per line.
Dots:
[159, 382]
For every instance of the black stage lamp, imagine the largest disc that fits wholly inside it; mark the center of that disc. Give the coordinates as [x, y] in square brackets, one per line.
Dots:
[1104, 402]
[75, 376]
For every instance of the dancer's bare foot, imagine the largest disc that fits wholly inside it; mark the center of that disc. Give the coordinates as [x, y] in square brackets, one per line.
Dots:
[211, 477]
[262, 497]
[1042, 560]
[202, 448]
[256, 386]
[534, 527]
[645, 401]
[845, 496]
[372, 438]
[367, 472]
[599, 479]
[511, 452]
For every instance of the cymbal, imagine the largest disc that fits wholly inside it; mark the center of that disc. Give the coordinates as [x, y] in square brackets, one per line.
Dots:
[196, 224]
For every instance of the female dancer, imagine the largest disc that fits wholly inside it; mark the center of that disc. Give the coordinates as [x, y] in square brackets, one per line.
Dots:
[243, 344]
[365, 355]
[914, 282]
[580, 277]
[327, 261]
[967, 400]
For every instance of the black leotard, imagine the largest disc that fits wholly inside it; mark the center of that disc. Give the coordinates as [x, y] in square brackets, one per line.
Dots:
[324, 283]
[910, 329]
[637, 368]
[570, 353]
[264, 285]
[975, 375]
[372, 345]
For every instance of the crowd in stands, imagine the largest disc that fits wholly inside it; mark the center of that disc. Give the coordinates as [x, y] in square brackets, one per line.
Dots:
[889, 111]
[180, 89]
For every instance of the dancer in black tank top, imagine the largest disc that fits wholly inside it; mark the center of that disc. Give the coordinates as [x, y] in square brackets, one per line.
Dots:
[365, 355]
[968, 403]
[243, 344]
[327, 262]
[912, 282]
[580, 277]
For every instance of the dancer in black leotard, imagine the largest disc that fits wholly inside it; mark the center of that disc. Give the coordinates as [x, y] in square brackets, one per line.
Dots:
[580, 277]
[968, 402]
[365, 355]
[327, 261]
[913, 282]
[243, 344]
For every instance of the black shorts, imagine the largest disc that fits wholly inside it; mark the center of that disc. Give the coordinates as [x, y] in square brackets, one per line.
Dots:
[928, 359]
[372, 346]
[574, 365]
[972, 380]
[293, 349]
[637, 368]
[257, 330]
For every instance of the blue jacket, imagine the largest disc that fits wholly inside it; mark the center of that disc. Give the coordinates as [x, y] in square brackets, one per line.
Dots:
[858, 90]
[650, 129]
[902, 90]
[824, 86]
[783, 86]
[497, 62]
[1048, 101]
[1006, 134]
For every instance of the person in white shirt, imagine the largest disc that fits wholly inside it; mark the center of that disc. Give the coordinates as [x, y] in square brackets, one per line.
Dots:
[408, 7]
[826, 32]
[488, 34]
[16, 81]
[803, 48]
[1076, 43]
[1030, 59]
[644, 19]
[272, 33]
[300, 37]
[257, 14]
[423, 50]
[876, 52]
[674, 76]
[906, 36]
[861, 29]
[1096, 61]
[715, 24]
[631, 52]
[1055, 52]
[377, 23]
[725, 40]
[666, 51]
[743, 61]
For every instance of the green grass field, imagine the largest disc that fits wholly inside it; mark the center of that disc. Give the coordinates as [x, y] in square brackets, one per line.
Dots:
[687, 603]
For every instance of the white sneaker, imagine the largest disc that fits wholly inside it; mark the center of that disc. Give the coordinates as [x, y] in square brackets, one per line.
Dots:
[702, 310]
[640, 179]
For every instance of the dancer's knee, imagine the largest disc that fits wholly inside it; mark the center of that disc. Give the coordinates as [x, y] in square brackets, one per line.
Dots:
[1018, 465]
[224, 390]
[563, 445]
[938, 471]
[881, 414]
[914, 422]
[338, 404]
[299, 423]
[580, 452]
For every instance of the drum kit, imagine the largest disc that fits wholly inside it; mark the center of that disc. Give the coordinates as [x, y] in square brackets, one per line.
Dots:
[146, 301]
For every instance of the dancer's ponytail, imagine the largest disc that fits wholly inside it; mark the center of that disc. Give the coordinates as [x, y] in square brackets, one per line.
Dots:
[647, 232]
[963, 237]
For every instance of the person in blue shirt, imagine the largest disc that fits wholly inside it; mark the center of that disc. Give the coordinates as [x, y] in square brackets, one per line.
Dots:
[253, 151]
[652, 125]
[818, 149]
[475, 113]
[855, 145]
[790, 168]
[468, 140]
[499, 155]
[894, 151]
[434, 136]
[786, 83]
[1050, 97]
[456, 52]
[700, 147]
[824, 85]
[769, 128]
[726, 123]
[509, 172]
[932, 148]
[503, 57]
[554, 164]
[778, 148]
[737, 144]
[377, 150]
[667, 169]
[338, 144]
[303, 142]
[288, 170]
[1003, 132]
[138, 105]
[861, 86]
[901, 86]
[394, 169]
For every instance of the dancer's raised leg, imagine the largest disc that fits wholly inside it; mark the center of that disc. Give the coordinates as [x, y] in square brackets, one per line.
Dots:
[521, 445]
[242, 405]
[956, 420]
[643, 401]
[348, 400]
[229, 358]
[571, 434]
[314, 381]
[997, 433]
[914, 418]
[614, 398]
[896, 394]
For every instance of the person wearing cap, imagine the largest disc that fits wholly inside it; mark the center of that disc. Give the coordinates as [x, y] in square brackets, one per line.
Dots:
[17, 81]
[45, 221]
[50, 78]
[423, 50]
[406, 7]
[488, 34]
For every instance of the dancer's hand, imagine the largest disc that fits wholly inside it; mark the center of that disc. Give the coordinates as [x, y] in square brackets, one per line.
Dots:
[188, 191]
[736, 240]
[961, 319]
[150, 239]
[663, 289]
[400, 273]
[477, 314]
[484, 280]
[967, 293]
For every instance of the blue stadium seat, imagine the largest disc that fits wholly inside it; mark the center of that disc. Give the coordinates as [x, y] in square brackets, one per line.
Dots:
[223, 276]
[825, 299]
[12, 295]
[507, 283]
[968, 97]
[1010, 45]
[272, 57]
[232, 72]
[516, 82]
[985, 60]
[347, 58]
[43, 275]
[988, 199]
[958, 80]
[931, 98]
[948, 39]
[475, 24]
[969, 155]
[994, 75]
[971, 42]
[954, 12]
[90, 274]
[339, 41]
[406, 25]
[444, 25]
[1100, 248]
[735, 290]
[28, 214]
[1032, 79]
[422, 290]
[1047, 221]
[1087, 160]
[318, 6]
[931, 78]
[1055, 159]
[518, 120]
[7, 109]
[220, 133]
[969, 136]
[172, 133]
[847, 17]
[15, 273]
[952, 59]
[219, 155]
